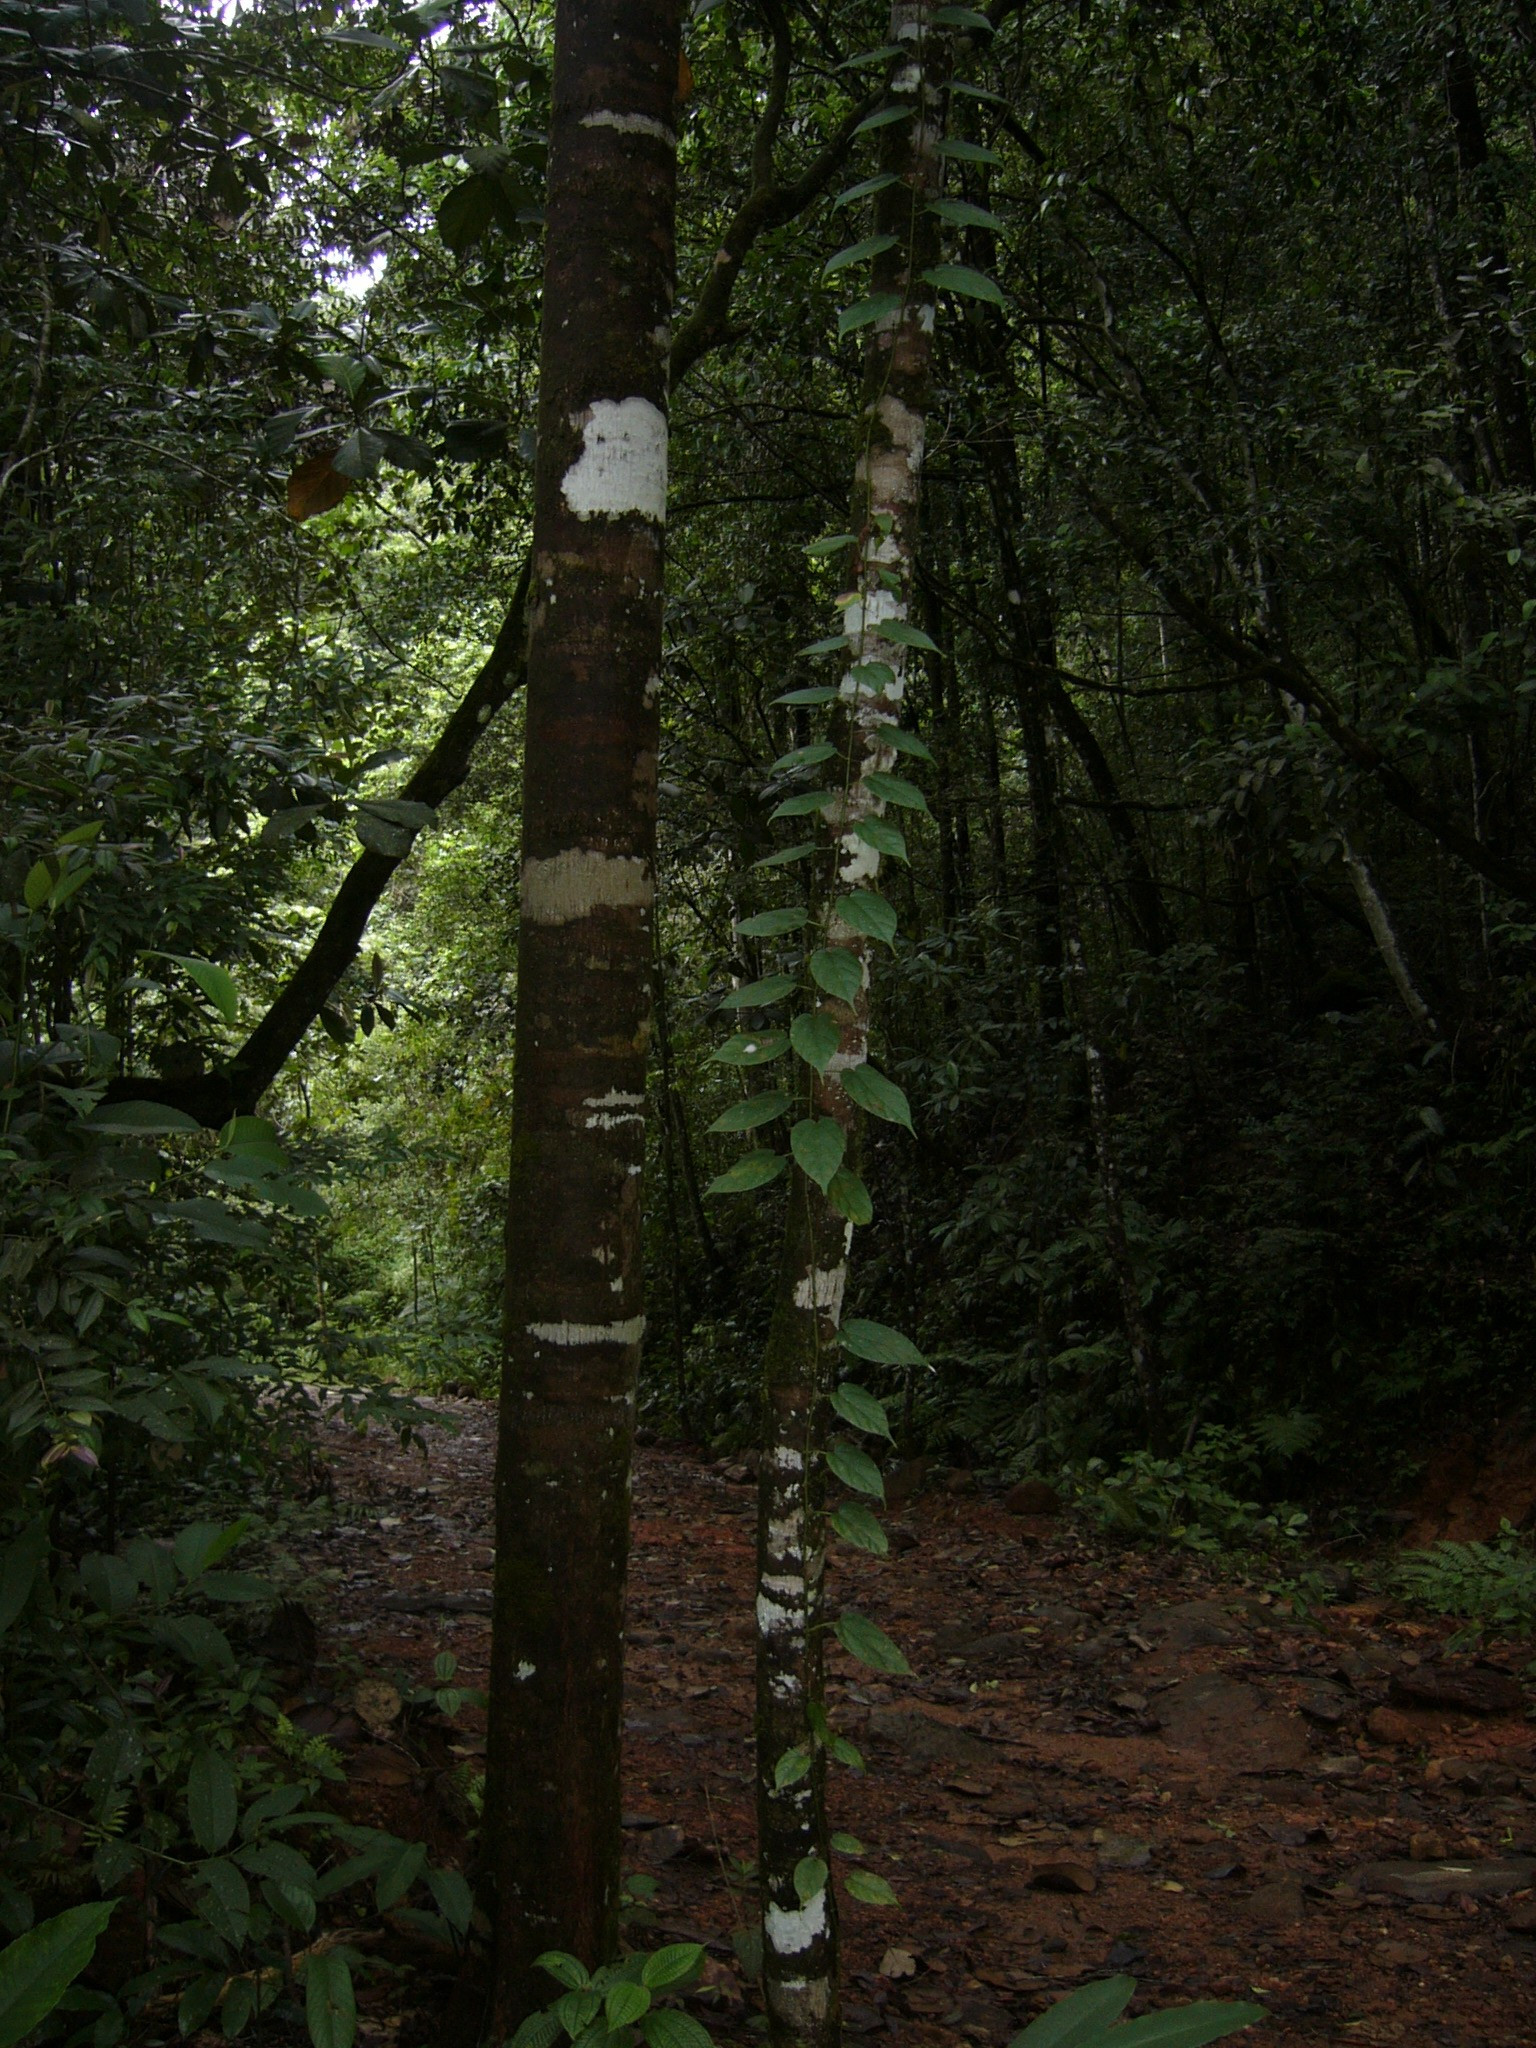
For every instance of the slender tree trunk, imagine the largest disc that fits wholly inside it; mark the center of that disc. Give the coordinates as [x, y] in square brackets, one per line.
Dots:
[800, 1932]
[574, 1283]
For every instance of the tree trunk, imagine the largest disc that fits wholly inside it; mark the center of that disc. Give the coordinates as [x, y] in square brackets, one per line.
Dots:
[799, 1925]
[574, 1282]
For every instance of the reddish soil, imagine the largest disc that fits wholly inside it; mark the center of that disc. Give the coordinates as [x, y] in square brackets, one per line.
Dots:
[1472, 1485]
[1107, 1761]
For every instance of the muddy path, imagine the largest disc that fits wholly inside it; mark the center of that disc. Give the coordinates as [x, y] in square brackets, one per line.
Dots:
[1106, 1761]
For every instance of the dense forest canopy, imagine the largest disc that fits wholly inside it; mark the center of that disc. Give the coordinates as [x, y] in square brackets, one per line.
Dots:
[1196, 1151]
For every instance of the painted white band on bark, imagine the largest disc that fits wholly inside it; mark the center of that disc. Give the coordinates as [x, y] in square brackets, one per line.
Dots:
[622, 467]
[629, 1332]
[822, 1287]
[573, 884]
[791, 1932]
[631, 124]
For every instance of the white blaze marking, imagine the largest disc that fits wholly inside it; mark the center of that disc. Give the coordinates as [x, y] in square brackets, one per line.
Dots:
[774, 1620]
[789, 1932]
[630, 124]
[589, 1333]
[622, 467]
[573, 884]
[822, 1288]
[524, 1670]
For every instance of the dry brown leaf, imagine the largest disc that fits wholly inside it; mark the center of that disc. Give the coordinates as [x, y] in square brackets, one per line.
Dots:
[315, 487]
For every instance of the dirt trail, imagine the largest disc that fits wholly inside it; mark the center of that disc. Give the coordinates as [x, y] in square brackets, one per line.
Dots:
[1106, 1761]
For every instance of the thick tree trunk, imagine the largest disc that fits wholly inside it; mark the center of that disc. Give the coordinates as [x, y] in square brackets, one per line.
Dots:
[573, 1293]
[800, 1927]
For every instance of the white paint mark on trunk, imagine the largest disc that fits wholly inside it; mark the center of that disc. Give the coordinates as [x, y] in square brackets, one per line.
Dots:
[787, 1460]
[865, 613]
[524, 1670]
[789, 1932]
[629, 1332]
[822, 1287]
[774, 1620]
[630, 124]
[622, 467]
[860, 862]
[573, 884]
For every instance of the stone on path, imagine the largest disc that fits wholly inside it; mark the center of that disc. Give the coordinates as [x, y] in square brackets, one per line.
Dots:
[1232, 1724]
[1433, 1883]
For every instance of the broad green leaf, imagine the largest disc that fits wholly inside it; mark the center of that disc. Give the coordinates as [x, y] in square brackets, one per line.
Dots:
[865, 911]
[810, 1878]
[802, 850]
[818, 1143]
[330, 2006]
[577, 2010]
[197, 1640]
[141, 1120]
[452, 1897]
[803, 757]
[216, 983]
[857, 252]
[407, 1861]
[37, 1969]
[864, 314]
[845, 1753]
[625, 2003]
[38, 887]
[539, 2030]
[839, 972]
[977, 92]
[834, 643]
[212, 1803]
[772, 924]
[871, 1645]
[905, 634]
[968, 152]
[963, 17]
[752, 1170]
[791, 1767]
[19, 1564]
[846, 1844]
[903, 741]
[849, 1197]
[865, 1886]
[864, 1410]
[968, 283]
[565, 1969]
[672, 1965]
[1081, 2019]
[110, 1582]
[668, 2029]
[858, 1525]
[751, 1048]
[239, 2004]
[883, 117]
[815, 1037]
[812, 693]
[878, 1342]
[830, 544]
[865, 189]
[198, 2001]
[757, 995]
[869, 1088]
[888, 840]
[856, 1468]
[964, 213]
[895, 789]
[201, 1545]
[243, 1587]
[757, 1109]
[871, 678]
[1186, 2026]
[803, 803]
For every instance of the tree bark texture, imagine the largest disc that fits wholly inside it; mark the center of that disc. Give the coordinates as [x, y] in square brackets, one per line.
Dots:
[800, 1932]
[573, 1289]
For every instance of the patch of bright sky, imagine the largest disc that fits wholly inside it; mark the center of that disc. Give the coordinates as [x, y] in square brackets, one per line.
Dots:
[355, 280]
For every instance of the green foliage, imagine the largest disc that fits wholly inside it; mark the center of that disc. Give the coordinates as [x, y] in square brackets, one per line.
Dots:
[1090, 2017]
[39, 1967]
[614, 2006]
[1187, 1502]
[1491, 1584]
